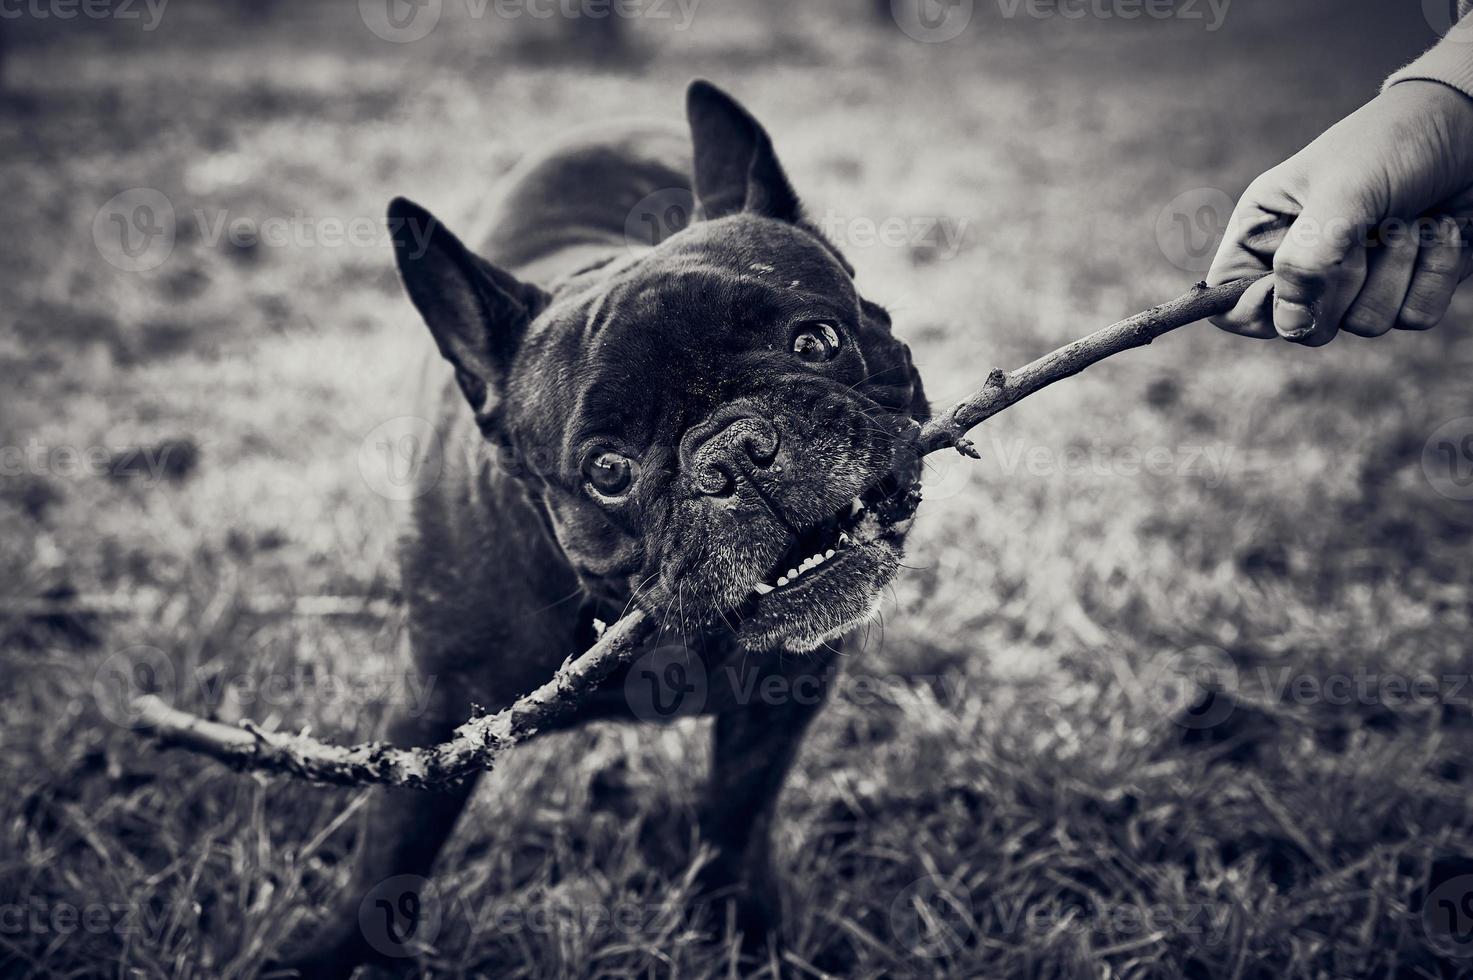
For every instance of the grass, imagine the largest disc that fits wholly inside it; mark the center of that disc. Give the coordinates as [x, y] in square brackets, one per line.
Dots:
[1105, 728]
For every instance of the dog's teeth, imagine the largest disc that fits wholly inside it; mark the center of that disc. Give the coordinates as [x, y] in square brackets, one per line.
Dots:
[817, 559]
[782, 580]
[843, 537]
[829, 553]
[762, 588]
[855, 506]
[792, 574]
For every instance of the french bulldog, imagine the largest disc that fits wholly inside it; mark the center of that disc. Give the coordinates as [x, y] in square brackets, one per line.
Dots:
[708, 422]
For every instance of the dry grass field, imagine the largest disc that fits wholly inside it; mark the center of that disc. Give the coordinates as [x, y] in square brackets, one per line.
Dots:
[1176, 682]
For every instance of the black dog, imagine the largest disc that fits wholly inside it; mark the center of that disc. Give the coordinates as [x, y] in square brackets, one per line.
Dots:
[710, 426]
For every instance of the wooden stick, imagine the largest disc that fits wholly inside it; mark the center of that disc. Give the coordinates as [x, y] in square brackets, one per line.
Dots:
[1006, 388]
[478, 742]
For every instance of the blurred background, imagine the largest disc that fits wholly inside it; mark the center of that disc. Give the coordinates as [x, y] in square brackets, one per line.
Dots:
[1175, 684]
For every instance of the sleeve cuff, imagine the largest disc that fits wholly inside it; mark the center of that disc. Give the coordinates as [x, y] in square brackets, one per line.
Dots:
[1450, 62]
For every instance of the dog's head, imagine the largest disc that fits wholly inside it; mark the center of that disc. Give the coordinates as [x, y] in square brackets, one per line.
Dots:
[718, 422]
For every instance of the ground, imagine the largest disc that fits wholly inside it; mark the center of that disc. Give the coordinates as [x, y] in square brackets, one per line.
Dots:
[1174, 683]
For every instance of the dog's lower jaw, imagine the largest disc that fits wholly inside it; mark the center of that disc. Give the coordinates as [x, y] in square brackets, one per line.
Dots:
[826, 608]
[809, 644]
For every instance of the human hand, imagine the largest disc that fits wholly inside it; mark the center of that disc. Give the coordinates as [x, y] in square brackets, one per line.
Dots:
[1369, 227]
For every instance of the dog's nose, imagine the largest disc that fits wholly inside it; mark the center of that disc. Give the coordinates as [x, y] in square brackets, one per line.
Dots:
[715, 455]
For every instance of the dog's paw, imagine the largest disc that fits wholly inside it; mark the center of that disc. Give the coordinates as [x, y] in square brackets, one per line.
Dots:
[729, 904]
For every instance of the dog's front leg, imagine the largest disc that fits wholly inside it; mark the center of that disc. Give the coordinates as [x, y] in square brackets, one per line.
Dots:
[381, 913]
[753, 747]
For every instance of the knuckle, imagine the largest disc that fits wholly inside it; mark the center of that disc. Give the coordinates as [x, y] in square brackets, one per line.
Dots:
[1243, 328]
[1399, 238]
[1368, 320]
[1447, 232]
[1266, 184]
[1420, 312]
[1414, 320]
[1297, 272]
[1440, 261]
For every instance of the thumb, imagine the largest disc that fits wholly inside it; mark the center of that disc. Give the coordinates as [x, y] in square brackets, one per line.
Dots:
[1320, 266]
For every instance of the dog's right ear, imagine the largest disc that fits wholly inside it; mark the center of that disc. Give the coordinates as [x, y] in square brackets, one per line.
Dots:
[736, 168]
[477, 313]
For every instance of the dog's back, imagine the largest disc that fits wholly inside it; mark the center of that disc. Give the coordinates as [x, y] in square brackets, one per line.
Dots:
[575, 203]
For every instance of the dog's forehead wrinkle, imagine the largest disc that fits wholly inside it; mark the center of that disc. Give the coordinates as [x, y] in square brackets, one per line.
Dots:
[603, 308]
[752, 244]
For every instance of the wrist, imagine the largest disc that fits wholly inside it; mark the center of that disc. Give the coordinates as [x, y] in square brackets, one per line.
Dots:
[1436, 119]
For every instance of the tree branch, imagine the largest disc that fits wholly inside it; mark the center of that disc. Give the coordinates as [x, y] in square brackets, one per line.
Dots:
[478, 742]
[475, 746]
[1006, 388]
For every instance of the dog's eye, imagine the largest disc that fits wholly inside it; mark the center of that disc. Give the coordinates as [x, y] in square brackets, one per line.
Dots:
[816, 342]
[608, 473]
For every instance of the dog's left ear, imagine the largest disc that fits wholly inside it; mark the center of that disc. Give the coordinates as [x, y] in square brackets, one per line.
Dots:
[736, 169]
[477, 313]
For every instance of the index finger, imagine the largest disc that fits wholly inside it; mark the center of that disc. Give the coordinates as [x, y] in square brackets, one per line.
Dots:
[1254, 233]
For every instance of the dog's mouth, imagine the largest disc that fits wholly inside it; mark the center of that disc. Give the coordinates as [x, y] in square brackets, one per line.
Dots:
[829, 579]
[877, 512]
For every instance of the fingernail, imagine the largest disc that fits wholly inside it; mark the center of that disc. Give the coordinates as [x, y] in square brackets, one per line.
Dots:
[1293, 321]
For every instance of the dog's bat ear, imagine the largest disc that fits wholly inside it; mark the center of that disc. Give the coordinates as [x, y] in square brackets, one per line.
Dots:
[735, 167]
[477, 313]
